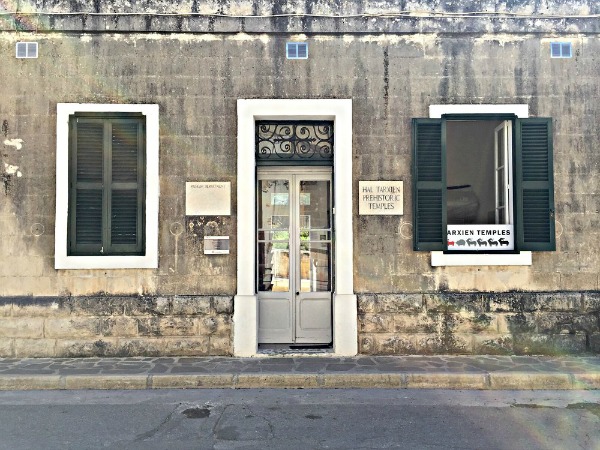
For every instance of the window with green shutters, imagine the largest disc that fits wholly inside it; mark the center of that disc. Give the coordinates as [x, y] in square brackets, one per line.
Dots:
[522, 179]
[106, 184]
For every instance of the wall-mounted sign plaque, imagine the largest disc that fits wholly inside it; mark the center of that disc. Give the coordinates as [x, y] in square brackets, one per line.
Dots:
[216, 245]
[481, 237]
[208, 198]
[381, 198]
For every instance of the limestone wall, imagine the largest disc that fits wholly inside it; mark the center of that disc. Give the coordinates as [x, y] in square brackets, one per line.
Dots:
[476, 323]
[115, 326]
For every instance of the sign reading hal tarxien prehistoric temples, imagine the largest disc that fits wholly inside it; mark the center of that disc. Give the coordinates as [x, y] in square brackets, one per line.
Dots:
[381, 198]
[208, 198]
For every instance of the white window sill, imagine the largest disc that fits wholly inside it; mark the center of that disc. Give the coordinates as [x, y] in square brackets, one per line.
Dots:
[485, 259]
[106, 262]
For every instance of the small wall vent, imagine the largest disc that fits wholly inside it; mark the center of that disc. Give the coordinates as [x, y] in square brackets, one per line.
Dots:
[27, 50]
[560, 50]
[296, 50]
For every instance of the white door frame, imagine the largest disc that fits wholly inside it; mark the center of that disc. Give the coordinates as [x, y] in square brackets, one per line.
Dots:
[245, 316]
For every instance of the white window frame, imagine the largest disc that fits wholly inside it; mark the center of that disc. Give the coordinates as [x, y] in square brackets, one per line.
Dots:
[33, 46]
[61, 258]
[439, 258]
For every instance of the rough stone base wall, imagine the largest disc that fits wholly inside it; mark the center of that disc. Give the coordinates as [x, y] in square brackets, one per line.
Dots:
[520, 323]
[115, 326]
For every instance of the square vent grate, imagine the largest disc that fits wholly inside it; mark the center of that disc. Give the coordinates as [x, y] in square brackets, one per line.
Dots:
[296, 50]
[27, 50]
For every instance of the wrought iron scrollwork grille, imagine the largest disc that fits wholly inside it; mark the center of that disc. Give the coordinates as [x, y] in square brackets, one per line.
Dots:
[301, 142]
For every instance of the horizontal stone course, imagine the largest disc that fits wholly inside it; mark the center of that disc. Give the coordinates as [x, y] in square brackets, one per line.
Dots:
[115, 326]
[72, 327]
[554, 323]
[22, 327]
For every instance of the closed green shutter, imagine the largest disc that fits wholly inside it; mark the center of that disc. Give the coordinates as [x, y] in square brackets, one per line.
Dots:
[126, 200]
[429, 184]
[534, 184]
[106, 186]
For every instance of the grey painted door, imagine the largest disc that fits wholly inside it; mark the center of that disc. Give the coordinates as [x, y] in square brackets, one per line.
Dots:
[294, 255]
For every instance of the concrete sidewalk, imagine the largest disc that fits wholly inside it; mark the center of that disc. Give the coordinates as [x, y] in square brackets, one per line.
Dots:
[442, 372]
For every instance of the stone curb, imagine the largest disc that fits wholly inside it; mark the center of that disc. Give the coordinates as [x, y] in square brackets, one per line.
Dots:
[396, 380]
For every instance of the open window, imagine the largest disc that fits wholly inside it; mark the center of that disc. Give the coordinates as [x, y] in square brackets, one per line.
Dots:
[483, 183]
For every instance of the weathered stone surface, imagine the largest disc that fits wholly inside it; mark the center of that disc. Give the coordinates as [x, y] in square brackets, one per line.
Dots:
[390, 303]
[560, 301]
[218, 325]
[444, 343]
[191, 305]
[72, 328]
[167, 326]
[595, 343]
[454, 323]
[21, 327]
[564, 323]
[187, 347]
[455, 301]
[87, 348]
[366, 345]
[119, 326]
[591, 301]
[39, 307]
[6, 347]
[220, 345]
[5, 307]
[413, 323]
[375, 323]
[34, 348]
[489, 344]
[388, 344]
[223, 305]
[540, 344]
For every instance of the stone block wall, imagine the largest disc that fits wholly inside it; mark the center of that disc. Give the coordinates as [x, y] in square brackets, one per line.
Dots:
[115, 326]
[522, 323]
[196, 66]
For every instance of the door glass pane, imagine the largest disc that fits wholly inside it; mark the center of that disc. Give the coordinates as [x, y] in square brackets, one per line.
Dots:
[315, 267]
[273, 236]
[274, 204]
[314, 205]
[273, 266]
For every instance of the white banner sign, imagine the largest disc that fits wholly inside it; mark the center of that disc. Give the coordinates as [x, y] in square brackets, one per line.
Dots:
[481, 237]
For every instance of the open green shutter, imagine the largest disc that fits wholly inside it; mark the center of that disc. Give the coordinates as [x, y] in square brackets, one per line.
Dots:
[429, 185]
[534, 184]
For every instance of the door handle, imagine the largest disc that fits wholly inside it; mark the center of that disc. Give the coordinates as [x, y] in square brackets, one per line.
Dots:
[297, 293]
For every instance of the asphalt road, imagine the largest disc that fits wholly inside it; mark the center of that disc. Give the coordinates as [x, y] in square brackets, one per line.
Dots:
[300, 419]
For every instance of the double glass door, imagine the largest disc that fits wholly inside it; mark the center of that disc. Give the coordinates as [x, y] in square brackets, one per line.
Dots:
[294, 255]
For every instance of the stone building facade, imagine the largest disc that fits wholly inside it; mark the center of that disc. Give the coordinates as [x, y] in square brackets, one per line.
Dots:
[198, 77]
